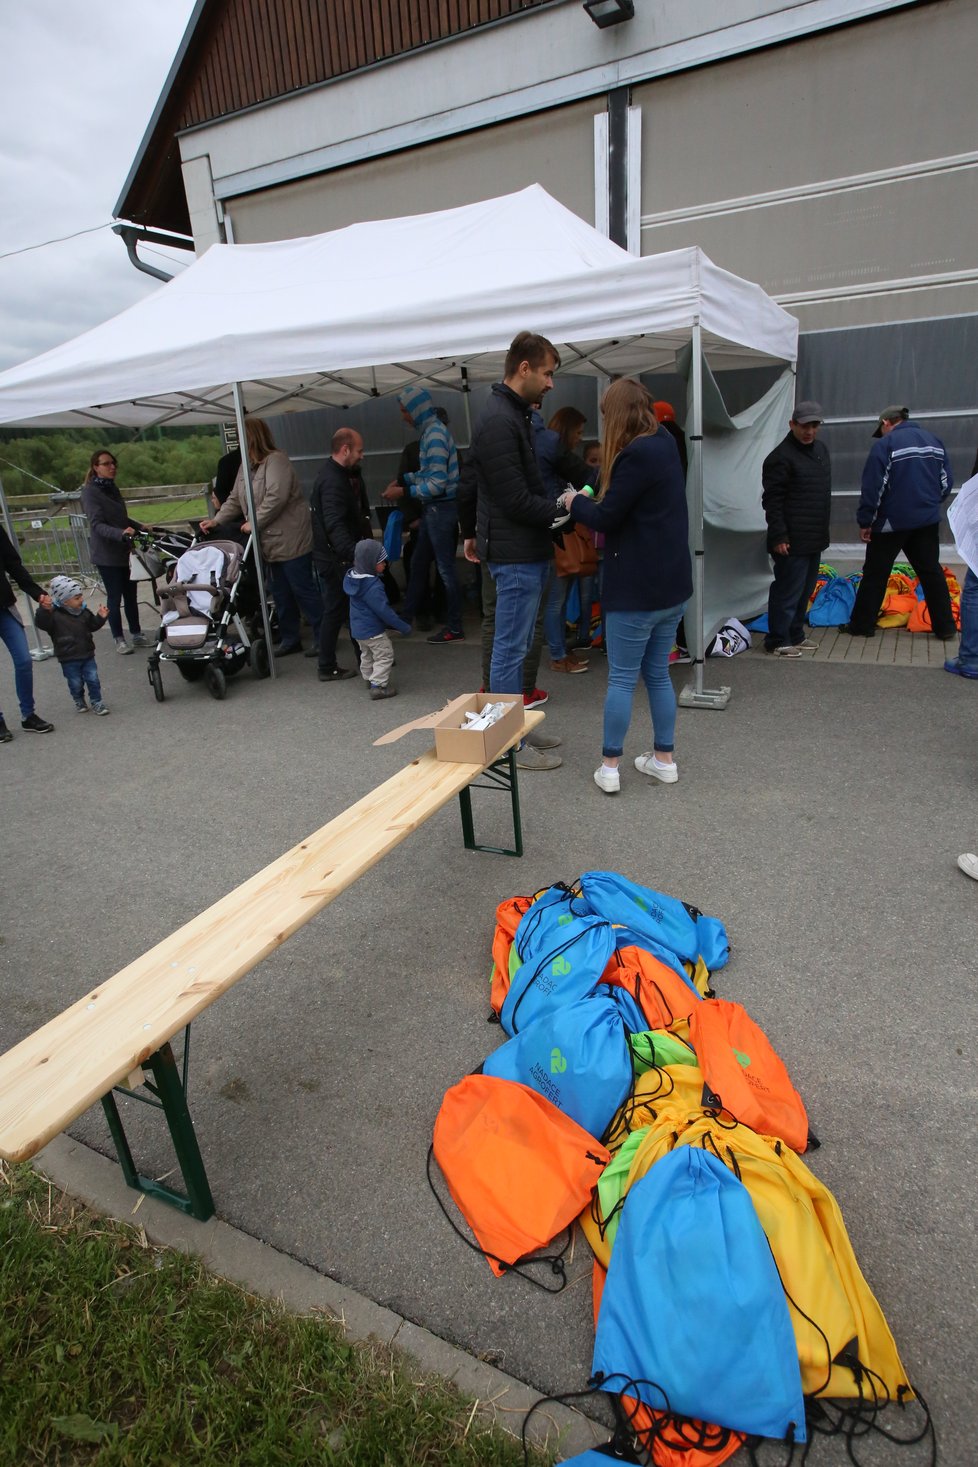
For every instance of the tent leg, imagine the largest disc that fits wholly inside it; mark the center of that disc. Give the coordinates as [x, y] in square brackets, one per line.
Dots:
[694, 695]
[239, 415]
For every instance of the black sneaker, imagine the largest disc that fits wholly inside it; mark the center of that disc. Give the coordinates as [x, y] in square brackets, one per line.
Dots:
[337, 675]
[446, 636]
[6, 737]
[36, 725]
[852, 631]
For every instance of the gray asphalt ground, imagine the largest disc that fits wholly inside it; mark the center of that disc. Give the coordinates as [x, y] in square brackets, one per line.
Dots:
[819, 816]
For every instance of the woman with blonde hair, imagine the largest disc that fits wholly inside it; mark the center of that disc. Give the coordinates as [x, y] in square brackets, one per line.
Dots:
[284, 532]
[641, 510]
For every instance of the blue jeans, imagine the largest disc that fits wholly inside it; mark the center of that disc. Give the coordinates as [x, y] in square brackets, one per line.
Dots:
[120, 587]
[555, 618]
[294, 588]
[14, 638]
[519, 589]
[968, 646]
[437, 540]
[787, 602]
[640, 642]
[81, 673]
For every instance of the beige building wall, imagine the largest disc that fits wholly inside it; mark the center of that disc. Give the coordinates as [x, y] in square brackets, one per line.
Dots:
[840, 172]
[555, 149]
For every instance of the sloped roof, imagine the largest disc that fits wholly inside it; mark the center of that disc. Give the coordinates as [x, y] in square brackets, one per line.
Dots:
[239, 53]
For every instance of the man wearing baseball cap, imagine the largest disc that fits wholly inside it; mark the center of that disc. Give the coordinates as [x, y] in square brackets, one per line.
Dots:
[797, 497]
[906, 479]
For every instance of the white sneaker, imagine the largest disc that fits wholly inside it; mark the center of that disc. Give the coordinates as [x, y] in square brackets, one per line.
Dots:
[649, 764]
[608, 780]
[122, 647]
[969, 865]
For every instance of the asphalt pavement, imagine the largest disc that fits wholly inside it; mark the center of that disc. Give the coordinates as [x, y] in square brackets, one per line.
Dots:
[819, 815]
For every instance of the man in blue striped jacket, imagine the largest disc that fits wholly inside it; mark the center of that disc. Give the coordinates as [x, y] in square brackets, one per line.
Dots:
[906, 480]
[436, 485]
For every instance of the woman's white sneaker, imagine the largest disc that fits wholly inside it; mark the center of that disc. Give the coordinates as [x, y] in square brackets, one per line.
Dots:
[608, 780]
[649, 764]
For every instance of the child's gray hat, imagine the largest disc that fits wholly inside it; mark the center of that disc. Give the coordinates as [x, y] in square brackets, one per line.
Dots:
[367, 557]
[62, 589]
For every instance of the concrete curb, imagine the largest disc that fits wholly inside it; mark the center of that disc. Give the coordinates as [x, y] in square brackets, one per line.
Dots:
[260, 1269]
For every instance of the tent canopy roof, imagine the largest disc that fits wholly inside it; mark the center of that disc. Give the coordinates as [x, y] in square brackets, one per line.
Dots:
[335, 318]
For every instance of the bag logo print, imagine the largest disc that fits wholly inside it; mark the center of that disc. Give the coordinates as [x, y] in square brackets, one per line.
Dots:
[742, 1059]
[560, 967]
[558, 1062]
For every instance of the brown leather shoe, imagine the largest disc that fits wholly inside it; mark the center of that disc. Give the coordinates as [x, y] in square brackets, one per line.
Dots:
[566, 664]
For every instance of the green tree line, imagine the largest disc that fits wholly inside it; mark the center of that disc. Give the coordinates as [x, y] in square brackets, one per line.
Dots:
[170, 456]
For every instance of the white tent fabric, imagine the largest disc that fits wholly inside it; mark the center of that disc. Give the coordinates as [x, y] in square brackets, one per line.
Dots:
[336, 318]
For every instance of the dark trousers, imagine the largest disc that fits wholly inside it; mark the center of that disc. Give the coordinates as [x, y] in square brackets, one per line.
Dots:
[788, 598]
[294, 589]
[336, 611]
[120, 589]
[922, 547]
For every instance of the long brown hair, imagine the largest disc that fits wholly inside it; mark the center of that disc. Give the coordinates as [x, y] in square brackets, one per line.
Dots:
[260, 440]
[627, 411]
[564, 423]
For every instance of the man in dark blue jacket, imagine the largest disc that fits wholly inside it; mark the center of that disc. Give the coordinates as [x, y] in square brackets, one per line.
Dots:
[906, 480]
[13, 636]
[514, 513]
[797, 499]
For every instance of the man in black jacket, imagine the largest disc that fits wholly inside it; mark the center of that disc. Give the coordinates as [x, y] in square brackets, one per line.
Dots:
[514, 512]
[797, 480]
[14, 638]
[340, 517]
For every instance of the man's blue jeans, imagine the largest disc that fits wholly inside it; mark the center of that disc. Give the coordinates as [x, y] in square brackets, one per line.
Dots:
[81, 673]
[640, 642]
[14, 638]
[519, 589]
[968, 646]
[294, 587]
[437, 540]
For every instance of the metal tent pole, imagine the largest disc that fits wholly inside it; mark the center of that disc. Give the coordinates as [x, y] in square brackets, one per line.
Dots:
[694, 695]
[239, 415]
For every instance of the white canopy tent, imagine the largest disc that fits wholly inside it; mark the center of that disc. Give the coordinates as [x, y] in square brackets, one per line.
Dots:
[337, 318]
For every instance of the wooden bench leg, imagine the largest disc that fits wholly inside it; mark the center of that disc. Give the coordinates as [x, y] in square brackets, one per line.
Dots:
[500, 776]
[171, 1097]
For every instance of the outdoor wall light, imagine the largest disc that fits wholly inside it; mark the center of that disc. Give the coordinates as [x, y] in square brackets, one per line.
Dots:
[609, 12]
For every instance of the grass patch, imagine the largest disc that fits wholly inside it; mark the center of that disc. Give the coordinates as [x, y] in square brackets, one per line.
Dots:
[119, 1354]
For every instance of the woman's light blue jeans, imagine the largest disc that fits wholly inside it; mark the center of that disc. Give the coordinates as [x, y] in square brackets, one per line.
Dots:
[640, 642]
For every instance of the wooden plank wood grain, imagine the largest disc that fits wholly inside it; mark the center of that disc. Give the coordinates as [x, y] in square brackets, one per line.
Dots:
[68, 1064]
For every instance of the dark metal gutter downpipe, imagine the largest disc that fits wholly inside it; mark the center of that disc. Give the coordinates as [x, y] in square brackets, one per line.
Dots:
[131, 235]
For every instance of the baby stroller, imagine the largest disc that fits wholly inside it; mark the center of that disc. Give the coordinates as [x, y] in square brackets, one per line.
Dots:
[211, 623]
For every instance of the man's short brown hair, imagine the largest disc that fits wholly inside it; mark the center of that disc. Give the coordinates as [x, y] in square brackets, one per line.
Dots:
[529, 347]
[343, 438]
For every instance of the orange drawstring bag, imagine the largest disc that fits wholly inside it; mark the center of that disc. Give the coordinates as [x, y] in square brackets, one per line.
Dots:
[658, 989]
[519, 1170]
[750, 1079]
[508, 916]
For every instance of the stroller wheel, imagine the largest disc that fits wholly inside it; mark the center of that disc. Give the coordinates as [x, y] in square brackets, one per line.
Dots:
[259, 657]
[217, 683]
[156, 680]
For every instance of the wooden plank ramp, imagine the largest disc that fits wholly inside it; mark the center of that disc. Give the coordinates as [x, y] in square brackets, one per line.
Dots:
[68, 1064]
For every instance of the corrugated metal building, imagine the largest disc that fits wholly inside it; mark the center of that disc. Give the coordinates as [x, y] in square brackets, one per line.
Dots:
[826, 149]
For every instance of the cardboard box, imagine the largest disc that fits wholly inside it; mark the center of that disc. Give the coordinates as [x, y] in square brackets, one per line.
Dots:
[460, 745]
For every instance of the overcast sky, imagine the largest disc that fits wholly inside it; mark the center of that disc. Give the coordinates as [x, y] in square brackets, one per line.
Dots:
[80, 84]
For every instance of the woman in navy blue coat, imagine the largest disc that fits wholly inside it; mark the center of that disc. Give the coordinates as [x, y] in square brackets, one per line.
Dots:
[642, 513]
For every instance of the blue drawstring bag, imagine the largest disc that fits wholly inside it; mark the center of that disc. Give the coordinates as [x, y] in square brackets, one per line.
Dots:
[563, 963]
[833, 605]
[549, 911]
[577, 1057]
[683, 929]
[628, 937]
[693, 1302]
[393, 532]
[631, 1014]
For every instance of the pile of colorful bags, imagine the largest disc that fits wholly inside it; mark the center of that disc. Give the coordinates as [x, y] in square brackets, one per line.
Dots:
[728, 1303]
[903, 604]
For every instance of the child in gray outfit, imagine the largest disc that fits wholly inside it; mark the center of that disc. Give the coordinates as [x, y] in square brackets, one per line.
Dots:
[370, 615]
[70, 625]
